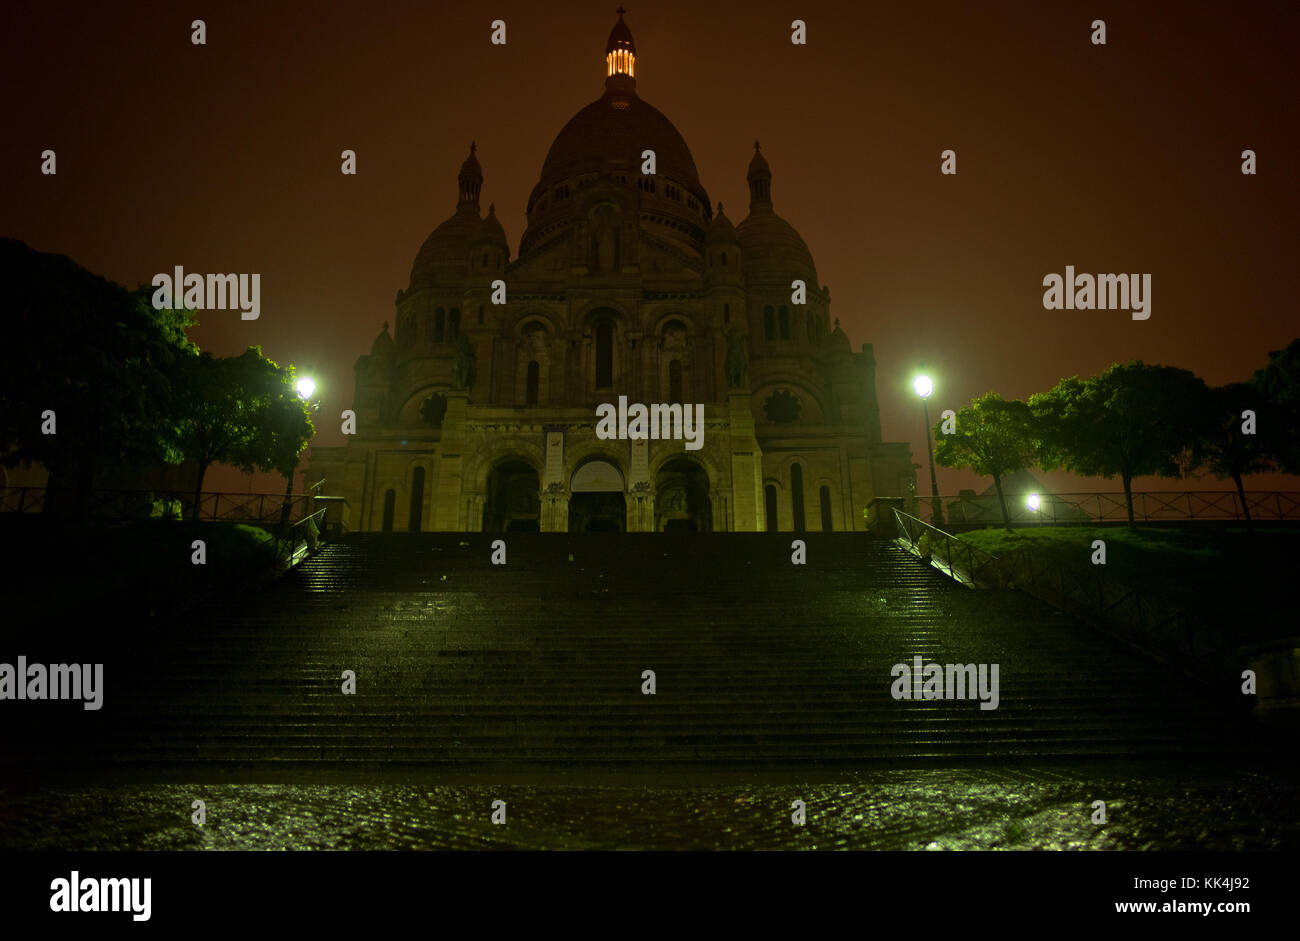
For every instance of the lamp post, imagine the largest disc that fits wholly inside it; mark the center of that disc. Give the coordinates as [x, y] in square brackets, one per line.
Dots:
[305, 387]
[924, 387]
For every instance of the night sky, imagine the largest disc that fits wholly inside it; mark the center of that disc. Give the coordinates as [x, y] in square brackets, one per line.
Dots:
[1115, 158]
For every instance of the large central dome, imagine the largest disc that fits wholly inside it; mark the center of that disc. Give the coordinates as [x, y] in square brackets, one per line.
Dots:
[606, 141]
[613, 131]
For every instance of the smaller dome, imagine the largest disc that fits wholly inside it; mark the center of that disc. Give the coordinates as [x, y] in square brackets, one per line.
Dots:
[721, 230]
[490, 230]
[773, 247]
[383, 347]
[838, 341]
[444, 253]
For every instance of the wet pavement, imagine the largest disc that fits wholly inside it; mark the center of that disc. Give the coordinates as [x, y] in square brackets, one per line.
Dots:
[1167, 805]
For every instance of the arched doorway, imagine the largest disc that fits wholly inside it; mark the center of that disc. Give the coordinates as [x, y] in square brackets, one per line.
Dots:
[682, 498]
[390, 505]
[597, 503]
[513, 503]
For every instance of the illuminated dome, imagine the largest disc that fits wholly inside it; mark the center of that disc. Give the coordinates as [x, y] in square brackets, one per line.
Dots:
[607, 138]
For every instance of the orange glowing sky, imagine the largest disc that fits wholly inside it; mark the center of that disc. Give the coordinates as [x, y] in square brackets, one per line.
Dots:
[1115, 158]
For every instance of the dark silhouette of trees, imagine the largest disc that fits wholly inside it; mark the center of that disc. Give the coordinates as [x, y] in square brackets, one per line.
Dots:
[994, 437]
[1133, 420]
[240, 410]
[97, 356]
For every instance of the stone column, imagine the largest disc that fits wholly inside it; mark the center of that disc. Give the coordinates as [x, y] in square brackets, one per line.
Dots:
[447, 506]
[746, 466]
[555, 508]
[640, 494]
[641, 508]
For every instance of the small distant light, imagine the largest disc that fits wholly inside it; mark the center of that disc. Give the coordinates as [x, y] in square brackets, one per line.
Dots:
[305, 387]
[923, 386]
[1032, 502]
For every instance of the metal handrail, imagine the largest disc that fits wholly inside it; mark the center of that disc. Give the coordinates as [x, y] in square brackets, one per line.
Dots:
[960, 560]
[1162, 631]
[303, 534]
[1174, 635]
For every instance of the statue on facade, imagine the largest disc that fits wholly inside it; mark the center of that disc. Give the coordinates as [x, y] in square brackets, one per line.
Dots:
[466, 370]
[736, 365]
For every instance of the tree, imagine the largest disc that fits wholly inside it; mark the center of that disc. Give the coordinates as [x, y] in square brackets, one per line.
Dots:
[242, 411]
[1224, 448]
[1132, 420]
[284, 425]
[994, 437]
[1279, 384]
[97, 356]
[215, 417]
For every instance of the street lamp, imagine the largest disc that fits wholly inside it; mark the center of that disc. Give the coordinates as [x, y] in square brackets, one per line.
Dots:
[305, 387]
[924, 388]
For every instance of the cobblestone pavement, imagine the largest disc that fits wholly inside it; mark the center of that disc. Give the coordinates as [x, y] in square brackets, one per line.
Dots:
[1165, 806]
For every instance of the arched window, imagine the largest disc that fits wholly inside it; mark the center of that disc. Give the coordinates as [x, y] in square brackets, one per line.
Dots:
[390, 504]
[534, 373]
[724, 259]
[796, 496]
[826, 509]
[769, 322]
[453, 324]
[439, 324]
[726, 313]
[417, 500]
[604, 355]
[812, 329]
[770, 503]
[785, 323]
[675, 381]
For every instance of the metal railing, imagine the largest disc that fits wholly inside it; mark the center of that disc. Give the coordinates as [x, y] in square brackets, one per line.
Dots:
[1175, 636]
[298, 539]
[954, 557]
[147, 504]
[1148, 506]
[1160, 630]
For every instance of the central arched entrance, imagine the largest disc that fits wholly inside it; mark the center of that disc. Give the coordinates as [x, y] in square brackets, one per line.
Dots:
[682, 498]
[597, 503]
[513, 503]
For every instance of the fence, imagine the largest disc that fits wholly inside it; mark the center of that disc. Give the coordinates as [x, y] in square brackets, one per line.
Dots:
[145, 504]
[1173, 636]
[299, 539]
[1148, 506]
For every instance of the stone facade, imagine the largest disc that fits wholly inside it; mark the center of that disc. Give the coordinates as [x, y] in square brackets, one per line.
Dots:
[477, 415]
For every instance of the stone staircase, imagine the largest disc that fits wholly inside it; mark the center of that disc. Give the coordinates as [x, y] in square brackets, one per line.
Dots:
[539, 662]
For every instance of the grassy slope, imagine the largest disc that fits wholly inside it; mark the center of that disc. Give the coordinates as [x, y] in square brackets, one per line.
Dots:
[1236, 578]
[132, 568]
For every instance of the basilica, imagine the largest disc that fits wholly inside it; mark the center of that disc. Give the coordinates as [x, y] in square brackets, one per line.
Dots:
[478, 412]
